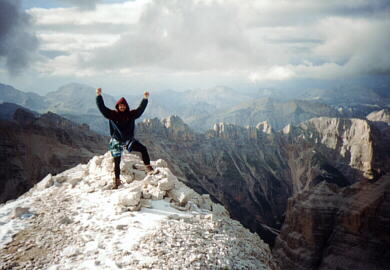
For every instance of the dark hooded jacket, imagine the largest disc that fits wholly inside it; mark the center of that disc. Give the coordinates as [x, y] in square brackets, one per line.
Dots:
[122, 124]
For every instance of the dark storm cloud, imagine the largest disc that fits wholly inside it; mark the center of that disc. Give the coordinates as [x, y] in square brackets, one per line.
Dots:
[17, 43]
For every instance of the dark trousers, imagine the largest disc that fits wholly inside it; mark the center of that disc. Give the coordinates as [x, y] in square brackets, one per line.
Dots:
[135, 146]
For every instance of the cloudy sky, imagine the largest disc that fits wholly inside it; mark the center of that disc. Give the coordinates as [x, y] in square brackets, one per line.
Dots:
[186, 44]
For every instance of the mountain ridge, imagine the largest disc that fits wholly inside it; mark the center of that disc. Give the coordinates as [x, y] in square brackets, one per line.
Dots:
[32, 145]
[201, 108]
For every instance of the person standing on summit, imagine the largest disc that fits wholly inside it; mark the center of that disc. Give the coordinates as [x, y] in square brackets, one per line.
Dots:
[122, 124]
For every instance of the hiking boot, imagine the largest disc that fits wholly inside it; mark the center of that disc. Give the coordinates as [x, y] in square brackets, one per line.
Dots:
[150, 171]
[117, 183]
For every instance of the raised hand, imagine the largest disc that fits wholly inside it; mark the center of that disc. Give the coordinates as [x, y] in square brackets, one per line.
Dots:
[146, 94]
[98, 91]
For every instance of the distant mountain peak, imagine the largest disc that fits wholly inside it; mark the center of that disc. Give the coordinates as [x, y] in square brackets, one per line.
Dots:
[24, 117]
[380, 116]
[75, 84]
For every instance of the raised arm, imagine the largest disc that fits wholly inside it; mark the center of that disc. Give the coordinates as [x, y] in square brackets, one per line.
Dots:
[141, 108]
[107, 113]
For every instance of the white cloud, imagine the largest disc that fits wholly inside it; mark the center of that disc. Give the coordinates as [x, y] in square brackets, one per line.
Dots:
[73, 42]
[272, 73]
[259, 40]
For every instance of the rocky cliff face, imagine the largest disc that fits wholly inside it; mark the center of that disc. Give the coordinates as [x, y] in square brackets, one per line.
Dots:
[277, 113]
[31, 147]
[7, 110]
[340, 223]
[381, 119]
[380, 116]
[328, 227]
[254, 170]
[340, 150]
[236, 166]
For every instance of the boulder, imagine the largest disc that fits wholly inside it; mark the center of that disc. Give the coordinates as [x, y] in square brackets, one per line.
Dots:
[161, 163]
[20, 211]
[205, 202]
[181, 194]
[128, 199]
[45, 182]
[166, 184]
[156, 193]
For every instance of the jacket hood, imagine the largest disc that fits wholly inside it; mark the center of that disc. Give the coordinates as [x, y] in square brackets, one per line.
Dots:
[123, 101]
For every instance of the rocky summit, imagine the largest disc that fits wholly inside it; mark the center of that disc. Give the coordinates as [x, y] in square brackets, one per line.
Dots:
[75, 220]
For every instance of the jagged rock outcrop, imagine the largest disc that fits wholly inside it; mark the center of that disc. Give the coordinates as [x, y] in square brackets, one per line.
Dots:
[340, 222]
[24, 117]
[253, 171]
[328, 227]
[381, 119]
[237, 166]
[277, 113]
[380, 116]
[234, 132]
[32, 146]
[343, 147]
[7, 111]
[77, 221]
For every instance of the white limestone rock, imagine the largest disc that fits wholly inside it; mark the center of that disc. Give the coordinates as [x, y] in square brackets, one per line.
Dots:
[18, 212]
[155, 193]
[107, 164]
[138, 175]
[135, 207]
[74, 181]
[181, 193]
[127, 199]
[350, 138]
[60, 178]
[219, 210]
[146, 194]
[161, 163]
[71, 251]
[166, 184]
[45, 182]
[94, 164]
[205, 202]
[151, 180]
[264, 127]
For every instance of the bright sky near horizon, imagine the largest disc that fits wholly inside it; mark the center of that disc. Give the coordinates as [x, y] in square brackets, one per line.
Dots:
[182, 44]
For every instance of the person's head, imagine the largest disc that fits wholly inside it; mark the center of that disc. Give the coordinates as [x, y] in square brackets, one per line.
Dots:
[122, 107]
